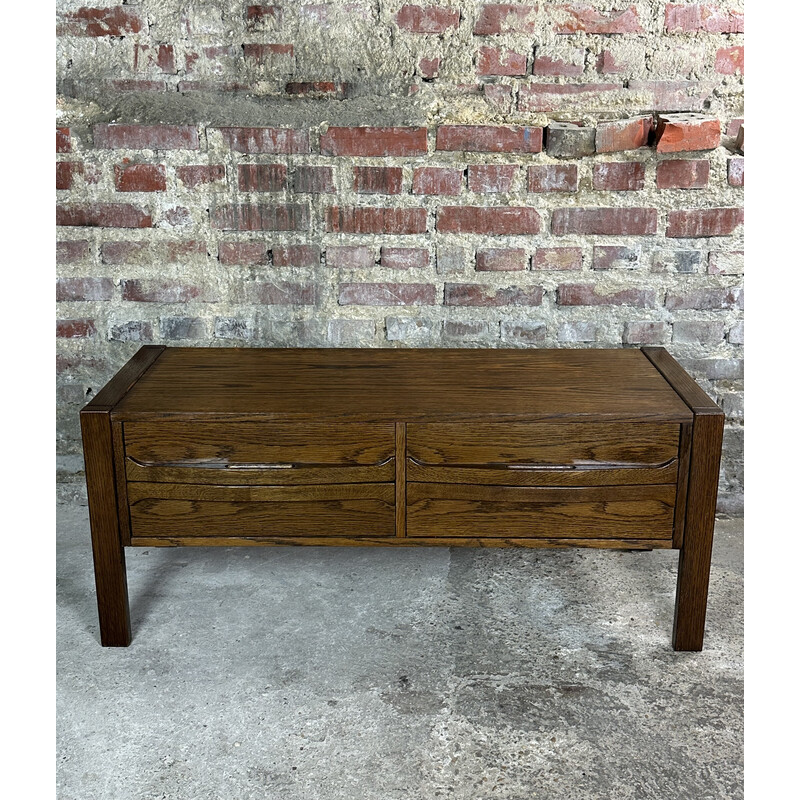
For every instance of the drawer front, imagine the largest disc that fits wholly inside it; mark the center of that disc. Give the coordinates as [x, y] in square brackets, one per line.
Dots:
[259, 453]
[617, 512]
[175, 511]
[604, 445]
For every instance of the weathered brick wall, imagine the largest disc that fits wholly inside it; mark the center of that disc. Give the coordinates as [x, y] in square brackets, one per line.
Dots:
[355, 173]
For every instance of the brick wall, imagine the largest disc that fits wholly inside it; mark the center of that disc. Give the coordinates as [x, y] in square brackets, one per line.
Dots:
[381, 174]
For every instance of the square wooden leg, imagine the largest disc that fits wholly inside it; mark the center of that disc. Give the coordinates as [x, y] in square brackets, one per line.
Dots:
[109, 555]
[694, 563]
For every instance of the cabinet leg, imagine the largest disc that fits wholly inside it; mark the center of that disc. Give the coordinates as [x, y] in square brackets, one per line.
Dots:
[109, 556]
[694, 563]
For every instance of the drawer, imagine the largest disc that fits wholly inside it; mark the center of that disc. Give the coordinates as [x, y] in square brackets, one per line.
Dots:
[599, 512]
[259, 452]
[532, 444]
[175, 511]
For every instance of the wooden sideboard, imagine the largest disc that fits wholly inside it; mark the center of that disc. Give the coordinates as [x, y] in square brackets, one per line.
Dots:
[484, 448]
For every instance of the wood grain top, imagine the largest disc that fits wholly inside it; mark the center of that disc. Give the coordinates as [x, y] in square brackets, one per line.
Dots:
[408, 385]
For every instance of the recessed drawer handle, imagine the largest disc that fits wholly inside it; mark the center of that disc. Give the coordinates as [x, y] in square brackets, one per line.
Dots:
[260, 466]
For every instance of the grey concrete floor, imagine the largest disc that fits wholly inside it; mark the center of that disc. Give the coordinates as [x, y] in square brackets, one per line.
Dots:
[378, 673]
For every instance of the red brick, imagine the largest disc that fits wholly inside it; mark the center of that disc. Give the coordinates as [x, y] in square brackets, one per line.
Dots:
[349, 257]
[262, 177]
[213, 86]
[736, 171]
[705, 17]
[265, 53]
[429, 67]
[68, 289]
[75, 328]
[625, 134]
[221, 51]
[131, 85]
[313, 180]
[404, 257]
[289, 217]
[185, 250]
[437, 180]
[497, 18]
[501, 259]
[427, 19]
[558, 258]
[698, 332]
[714, 299]
[104, 215]
[63, 141]
[295, 255]
[739, 143]
[116, 253]
[387, 294]
[199, 174]
[488, 221]
[378, 180]
[526, 332]
[582, 294]
[499, 61]
[682, 174]
[730, 61]
[618, 176]
[116, 21]
[490, 178]
[250, 254]
[376, 220]
[669, 95]
[147, 58]
[733, 127]
[332, 90]
[498, 95]
[489, 138]
[369, 141]
[558, 63]
[701, 222]
[138, 291]
[575, 18]
[614, 256]
[609, 63]
[281, 293]
[646, 333]
[677, 133]
[605, 221]
[256, 15]
[140, 178]
[266, 140]
[471, 331]
[482, 294]
[146, 137]
[66, 172]
[553, 178]
[71, 252]
[555, 96]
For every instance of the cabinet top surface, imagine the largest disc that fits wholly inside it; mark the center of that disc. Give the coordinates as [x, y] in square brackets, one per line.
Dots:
[422, 384]
[402, 384]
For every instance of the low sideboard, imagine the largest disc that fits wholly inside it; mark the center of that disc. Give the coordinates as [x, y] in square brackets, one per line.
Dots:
[611, 448]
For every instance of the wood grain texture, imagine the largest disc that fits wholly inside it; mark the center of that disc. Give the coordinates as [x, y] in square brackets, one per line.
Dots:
[268, 442]
[302, 475]
[694, 562]
[407, 385]
[396, 541]
[691, 394]
[255, 494]
[350, 517]
[107, 549]
[126, 378]
[504, 476]
[527, 443]
[400, 479]
[682, 483]
[121, 483]
[511, 511]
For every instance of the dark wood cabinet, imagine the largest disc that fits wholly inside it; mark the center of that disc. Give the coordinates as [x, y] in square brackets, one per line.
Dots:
[521, 448]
